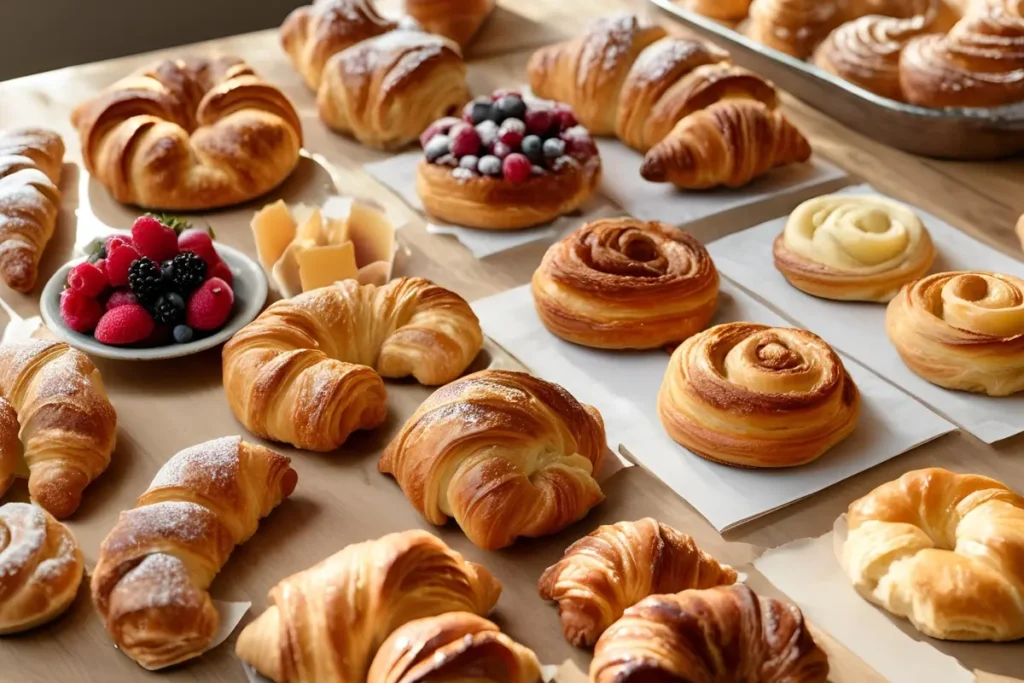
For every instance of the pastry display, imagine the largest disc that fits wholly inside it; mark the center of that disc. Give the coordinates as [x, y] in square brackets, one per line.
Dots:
[853, 247]
[962, 330]
[371, 589]
[942, 550]
[724, 10]
[626, 284]
[796, 26]
[750, 395]
[507, 164]
[155, 566]
[41, 567]
[308, 370]
[458, 20]
[504, 453]
[616, 566]
[726, 634]
[30, 169]
[189, 135]
[67, 426]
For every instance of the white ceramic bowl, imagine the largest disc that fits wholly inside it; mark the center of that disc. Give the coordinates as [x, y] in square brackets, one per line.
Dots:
[250, 288]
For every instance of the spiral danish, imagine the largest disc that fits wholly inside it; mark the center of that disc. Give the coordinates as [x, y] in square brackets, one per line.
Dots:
[626, 284]
[853, 248]
[756, 396]
[795, 27]
[962, 330]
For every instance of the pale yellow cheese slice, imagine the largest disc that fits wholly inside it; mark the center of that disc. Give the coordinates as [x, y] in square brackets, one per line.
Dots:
[286, 270]
[323, 266]
[312, 228]
[273, 229]
[372, 233]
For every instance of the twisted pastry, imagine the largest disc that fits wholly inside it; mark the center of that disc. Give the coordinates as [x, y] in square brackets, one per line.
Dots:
[458, 20]
[853, 248]
[40, 567]
[616, 566]
[189, 135]
[304, 371]
[796, 27]
[504, 453]
[324, 624]
[942, 550]
[457, 646]
[626, 284]
[757, 396]
[156, 564]
[962, 331]
[726, 634]
[730, 143]
[724, 10]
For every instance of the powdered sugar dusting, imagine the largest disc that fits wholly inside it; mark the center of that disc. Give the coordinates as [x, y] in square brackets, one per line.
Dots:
[62, 562]
[217, 459]
[160, 580]
[22, 536]
[182, 520]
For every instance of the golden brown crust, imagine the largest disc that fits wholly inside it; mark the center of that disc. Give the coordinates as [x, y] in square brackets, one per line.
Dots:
[458, 20]
[796, 27]
[504, 453]
[10, 446]
[724, 10]
[626, 284]
[756, 396]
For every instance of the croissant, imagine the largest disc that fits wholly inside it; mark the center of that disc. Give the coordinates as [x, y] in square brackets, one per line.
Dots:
[457, 646]
[942, 550]
[10, 447]
[30, 168]
[155, 566]
[729, 143]
[41, 567]
[68, 426]
[504, 453]
[726, 634]
[796, 27]
[189, 135]
[458, 20]
[304, 371]
[325, 623]
[724, 10]
[616, 566]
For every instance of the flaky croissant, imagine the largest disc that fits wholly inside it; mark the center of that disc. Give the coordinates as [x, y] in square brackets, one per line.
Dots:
[458, 20]
[306, 370]
[504, 453]
[325, 624]
[68, 426]
[156, 564]
[616, 566]
[10, 446]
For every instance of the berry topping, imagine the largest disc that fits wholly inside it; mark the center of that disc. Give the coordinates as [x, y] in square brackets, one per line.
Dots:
[478, 110]
[566, 118]
[540, 121]
[489, 165]
[510, 107]
[533, 148]
[506, 92]
[516, 168]
[87, 279]
[469, 162]
[500, 150]
[146, 280]
[554, 148]
[124, 325]
[538, 170]
[448, 160]
[121, 297]
[183, 334]
[464, 141]
[578, 142]
[201, 243]
[512, 132]
[488, 132]
[222, 271]
[187, 272]
[153, 239]
[438, 146]
[169, 309]
[118, 261]
[439, 127]
[210, 305]
[115, 241]
[79, 312]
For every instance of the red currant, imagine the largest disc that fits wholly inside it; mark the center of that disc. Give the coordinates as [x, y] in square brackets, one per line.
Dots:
[517, 168]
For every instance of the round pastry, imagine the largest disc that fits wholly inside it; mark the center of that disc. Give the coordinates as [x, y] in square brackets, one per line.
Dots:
[942, 550]
[506, 165]
[756, 396]
[962, 331]
[626, 284]
[40, 567]
[853, 248]
[795, 27]
[723, 10]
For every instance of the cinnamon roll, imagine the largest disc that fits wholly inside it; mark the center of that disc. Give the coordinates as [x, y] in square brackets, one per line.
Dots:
[853, 248]
[626, 284]
[795, 27]
[756, 396]
[962, 331]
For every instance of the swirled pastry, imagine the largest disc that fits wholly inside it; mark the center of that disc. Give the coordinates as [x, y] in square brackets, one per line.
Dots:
[795, 27]
[853, 248]
[962, 331]
[942, 550]
[41, 567]
[626, 284]
[504, 453]
[724, 10]
[757, 396]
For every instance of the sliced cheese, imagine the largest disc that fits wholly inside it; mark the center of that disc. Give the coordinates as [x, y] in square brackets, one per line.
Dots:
[286, 270]
[273, 229]
[372, 233]
[323, 266]
[312, 228]
[335, 230]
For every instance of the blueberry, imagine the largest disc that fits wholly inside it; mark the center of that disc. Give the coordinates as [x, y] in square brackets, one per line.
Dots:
[182, 334]
[437, 147]
[490, 165]
[510, 107]
[554, 148]
[480, 111]
[469, 161]
[533, 148]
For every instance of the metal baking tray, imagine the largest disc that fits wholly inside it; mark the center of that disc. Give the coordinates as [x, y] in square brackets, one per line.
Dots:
[967, 134]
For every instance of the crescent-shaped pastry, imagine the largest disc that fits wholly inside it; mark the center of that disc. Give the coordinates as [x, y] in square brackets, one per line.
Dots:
[458, 20]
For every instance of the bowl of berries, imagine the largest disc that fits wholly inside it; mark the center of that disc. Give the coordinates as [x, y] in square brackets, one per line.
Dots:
[164, 290]
[507, 164]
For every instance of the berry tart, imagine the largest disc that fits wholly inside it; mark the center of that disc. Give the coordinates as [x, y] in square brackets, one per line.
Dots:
[506, 164]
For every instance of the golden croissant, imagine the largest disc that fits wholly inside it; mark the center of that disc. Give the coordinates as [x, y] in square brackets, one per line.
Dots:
[458, 20]
[306, 370]
[325, 624]
[156, 565]
[68, 426]
[504, 453]
[618, 565]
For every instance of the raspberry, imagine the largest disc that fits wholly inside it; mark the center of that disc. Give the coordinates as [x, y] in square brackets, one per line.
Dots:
[578, 142]
[439, 127]
[115, 241]
[540, 121]
[200, 242]
[222, 271]
[153, 239]
[512, 132]
[121, 297]
[565, 116]
[124, 325]
[464, 141]
[210, 305]
[517, 168]
[102, 265]
[79, 312]
[87, 279]
[118, 262]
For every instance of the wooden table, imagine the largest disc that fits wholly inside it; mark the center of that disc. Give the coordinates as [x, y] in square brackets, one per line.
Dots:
[164, 407]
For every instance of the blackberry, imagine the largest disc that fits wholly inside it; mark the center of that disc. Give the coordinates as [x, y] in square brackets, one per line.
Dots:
[169, 309]
[145, 280]
[188, 271]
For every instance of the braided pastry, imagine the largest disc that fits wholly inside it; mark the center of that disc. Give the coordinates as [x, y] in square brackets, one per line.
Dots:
[962, 331]
[796, 27]
[458, 20]
[626, 284]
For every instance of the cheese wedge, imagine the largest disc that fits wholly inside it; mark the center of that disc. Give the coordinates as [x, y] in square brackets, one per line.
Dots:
[273, 229]
[323, 266]
[372, 233]
[286, 270]
[312, 228]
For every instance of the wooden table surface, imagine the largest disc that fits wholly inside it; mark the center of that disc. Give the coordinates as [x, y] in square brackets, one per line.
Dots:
[165, 407]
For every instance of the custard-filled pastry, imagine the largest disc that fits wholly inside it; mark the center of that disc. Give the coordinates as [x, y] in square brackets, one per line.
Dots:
[942, 550]
[726, 634]
[724, 10]
[756, 396]
[504, 453]
[853, 248]
[458, 20]
[41, 567]
[962, 330]
[616, 566]
[626, 284]
[796, 27]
